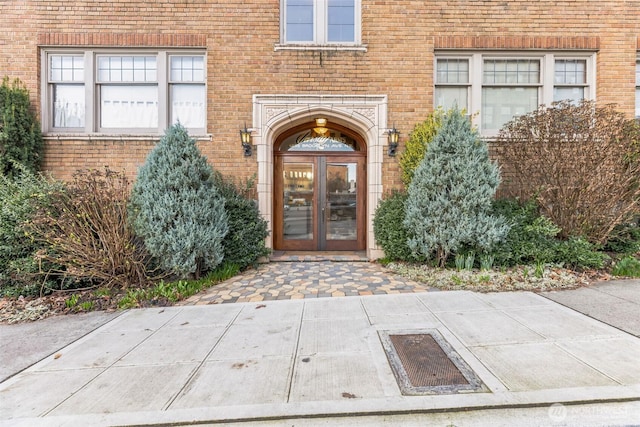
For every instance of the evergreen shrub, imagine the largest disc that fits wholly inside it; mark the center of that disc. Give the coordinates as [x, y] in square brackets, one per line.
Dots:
[244, 244]
[176, 208]
[389, 230]
[578, 252]
[20, 198]
[531, 237]
[449, 199]
[21, 142]
[416, 146]
[625, 238]
[534, 239]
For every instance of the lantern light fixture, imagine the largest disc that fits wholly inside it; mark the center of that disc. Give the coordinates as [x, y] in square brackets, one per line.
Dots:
[245, 140]
[393, 135]
[321, 126]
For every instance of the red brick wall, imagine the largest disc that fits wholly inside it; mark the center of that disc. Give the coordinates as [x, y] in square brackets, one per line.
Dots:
[240, 35]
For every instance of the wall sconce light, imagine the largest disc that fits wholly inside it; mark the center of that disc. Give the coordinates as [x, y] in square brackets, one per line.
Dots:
[392, 136]
[245, 139]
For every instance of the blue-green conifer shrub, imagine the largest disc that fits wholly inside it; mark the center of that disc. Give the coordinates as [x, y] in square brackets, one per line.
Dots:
[175, 207]
[449, 203]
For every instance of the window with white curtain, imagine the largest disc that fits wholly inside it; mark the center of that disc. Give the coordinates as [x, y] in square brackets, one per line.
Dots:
[187, 93]
[66, 78]
[494, 88]
[321, 21]
[570, 79]
[128, 90]
[124, 91]
[509, 89]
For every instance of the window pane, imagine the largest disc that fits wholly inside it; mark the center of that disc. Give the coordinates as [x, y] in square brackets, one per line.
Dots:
[570, 71]
[341, 25]
[66, 68]
[298, 201]
[451, 96]
[129, 106]
[573, 94]
[187, 69]
[500, 105]
[68, 106]
[299, 20]
[127, 69]
[188, 105]
[511, 71]
[452, 71]
[638, 73]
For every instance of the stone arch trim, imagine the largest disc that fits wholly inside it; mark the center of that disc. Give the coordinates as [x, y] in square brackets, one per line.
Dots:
[365, 114]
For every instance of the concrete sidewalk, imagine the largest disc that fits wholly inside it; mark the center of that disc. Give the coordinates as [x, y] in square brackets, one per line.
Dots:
[278, 362]
[24, 344]
[616, 303]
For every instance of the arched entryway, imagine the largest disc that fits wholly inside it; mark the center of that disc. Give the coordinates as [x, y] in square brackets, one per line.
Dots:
[319, 199]
[275, 115]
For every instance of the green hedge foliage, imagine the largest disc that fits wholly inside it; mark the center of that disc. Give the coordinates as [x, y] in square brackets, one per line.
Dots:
[21, 142]
[389, 230]
[20, 199]
[244, 245]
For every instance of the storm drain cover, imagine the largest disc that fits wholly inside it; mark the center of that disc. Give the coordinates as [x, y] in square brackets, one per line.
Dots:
[423, 362]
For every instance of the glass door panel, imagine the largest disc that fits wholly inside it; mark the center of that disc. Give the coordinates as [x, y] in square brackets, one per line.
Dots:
[298, 201]
[340, 201]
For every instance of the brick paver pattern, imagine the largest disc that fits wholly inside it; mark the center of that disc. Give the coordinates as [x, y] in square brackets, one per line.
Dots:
[305, 277]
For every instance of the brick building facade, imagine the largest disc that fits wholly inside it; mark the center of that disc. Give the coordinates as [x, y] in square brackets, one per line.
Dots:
[108, 78]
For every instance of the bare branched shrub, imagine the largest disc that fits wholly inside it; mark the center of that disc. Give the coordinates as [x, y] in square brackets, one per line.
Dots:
[86, 231]
[581, 162]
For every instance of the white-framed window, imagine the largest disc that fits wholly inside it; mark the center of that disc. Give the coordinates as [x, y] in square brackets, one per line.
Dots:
[495, 87]
[320, 22]
[638, 89]
[66, 79]
[123, 91]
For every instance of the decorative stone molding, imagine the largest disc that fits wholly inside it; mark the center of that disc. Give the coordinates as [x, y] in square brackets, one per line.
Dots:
[364, 114]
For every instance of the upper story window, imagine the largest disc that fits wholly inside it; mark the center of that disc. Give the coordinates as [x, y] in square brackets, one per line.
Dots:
[321, 22]
[123, 92]
[495, 88]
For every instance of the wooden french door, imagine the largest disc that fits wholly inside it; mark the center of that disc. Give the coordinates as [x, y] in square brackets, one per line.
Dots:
[319, 202]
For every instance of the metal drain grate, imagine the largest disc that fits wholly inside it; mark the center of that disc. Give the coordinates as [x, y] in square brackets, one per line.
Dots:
[425, 363]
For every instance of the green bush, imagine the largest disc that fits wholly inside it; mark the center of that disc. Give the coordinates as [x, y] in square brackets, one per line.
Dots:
[176, 208]
[416, 146]
[20, 199]
[21, 142]
[625, 238]
[627, 267]
[388, 229]
[449, 200]
[578, 252]
[245, 242]
[531, 238]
